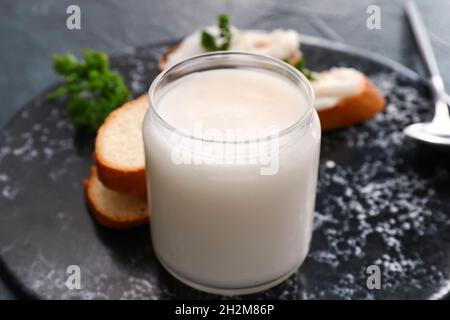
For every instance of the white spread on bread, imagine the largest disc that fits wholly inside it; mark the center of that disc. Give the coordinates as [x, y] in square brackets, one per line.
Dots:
[279, 44]
[330, 86]
[333, 85]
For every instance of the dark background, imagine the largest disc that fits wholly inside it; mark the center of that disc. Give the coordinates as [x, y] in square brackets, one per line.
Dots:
[31, 30]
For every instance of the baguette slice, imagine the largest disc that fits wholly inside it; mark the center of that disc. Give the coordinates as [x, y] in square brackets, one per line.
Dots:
[119, 149]
[353, 109]
[114, 209]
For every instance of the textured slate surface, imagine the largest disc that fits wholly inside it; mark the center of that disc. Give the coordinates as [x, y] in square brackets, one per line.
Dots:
[381, 200]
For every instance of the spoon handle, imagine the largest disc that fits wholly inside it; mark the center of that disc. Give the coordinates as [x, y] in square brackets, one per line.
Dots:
[426, 51]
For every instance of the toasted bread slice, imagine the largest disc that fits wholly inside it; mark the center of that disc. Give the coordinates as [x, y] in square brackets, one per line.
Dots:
[114, 209]
[163, 61]
[119, 149]
[353, 109]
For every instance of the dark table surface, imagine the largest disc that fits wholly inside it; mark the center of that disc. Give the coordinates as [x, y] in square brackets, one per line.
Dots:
[30, 31]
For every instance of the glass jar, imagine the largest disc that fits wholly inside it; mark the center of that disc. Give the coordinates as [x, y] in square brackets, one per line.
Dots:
[220, 222]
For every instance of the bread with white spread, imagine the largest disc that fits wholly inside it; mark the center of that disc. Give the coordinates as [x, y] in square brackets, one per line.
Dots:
[344, 97]
[281, 44]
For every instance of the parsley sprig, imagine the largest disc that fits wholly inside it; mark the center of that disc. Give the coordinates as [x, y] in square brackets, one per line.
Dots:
[91, 88]
[300, 66]
[223, 42]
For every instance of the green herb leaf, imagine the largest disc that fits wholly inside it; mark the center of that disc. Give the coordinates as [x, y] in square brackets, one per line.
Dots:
[225, 32]
[91, 88]
[223, 42]
[208, 42]
[300, 66]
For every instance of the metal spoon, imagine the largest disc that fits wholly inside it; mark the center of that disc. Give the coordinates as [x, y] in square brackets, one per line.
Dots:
[437, 131]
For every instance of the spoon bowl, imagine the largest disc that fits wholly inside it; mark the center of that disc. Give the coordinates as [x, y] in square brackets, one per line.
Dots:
[427, 133]
[436, 132]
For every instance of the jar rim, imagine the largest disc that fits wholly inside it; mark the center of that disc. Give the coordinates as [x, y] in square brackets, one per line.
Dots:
[300, 122]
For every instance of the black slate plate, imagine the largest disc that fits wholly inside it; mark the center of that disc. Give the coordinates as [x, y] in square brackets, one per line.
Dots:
[381, 200]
